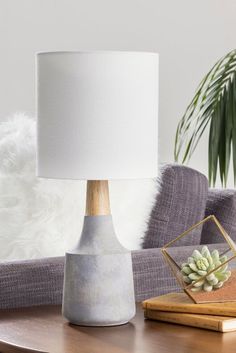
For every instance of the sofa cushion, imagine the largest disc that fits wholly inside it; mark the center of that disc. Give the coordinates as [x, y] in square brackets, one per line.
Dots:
[180, 203]
[222, 204]
[40, 281]
[31, 282]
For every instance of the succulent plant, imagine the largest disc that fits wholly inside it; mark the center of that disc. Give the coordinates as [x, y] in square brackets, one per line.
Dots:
[200, 264]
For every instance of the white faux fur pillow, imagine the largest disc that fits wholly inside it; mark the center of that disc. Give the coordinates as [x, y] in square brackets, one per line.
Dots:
[43, 217]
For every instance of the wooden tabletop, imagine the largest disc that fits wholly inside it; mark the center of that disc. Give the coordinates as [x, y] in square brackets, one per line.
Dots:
[42, 329]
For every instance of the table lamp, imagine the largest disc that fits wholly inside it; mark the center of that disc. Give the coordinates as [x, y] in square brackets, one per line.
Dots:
[97, 120]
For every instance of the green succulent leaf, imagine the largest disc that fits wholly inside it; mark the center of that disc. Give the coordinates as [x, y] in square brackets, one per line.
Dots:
[210, 277]
[193, 276]
[211, 262]
[186, 279]
[191, 260]
[221, 276]
[223, 259]
[196, 289]
[218, 285]
[213, 281]
[196, 255]
[187, 270]
[202, 273]
[211, 267]
[205, 252]
[193, 267]
[207, 287]
[215, 256]
[199, 284]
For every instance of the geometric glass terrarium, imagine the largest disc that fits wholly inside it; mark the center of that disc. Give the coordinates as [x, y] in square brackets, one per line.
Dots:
[206, 272]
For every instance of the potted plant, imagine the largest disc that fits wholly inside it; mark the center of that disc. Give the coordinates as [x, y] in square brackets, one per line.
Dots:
[214, 104]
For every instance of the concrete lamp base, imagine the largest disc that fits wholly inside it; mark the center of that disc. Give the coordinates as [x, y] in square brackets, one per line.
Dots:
[98, 282]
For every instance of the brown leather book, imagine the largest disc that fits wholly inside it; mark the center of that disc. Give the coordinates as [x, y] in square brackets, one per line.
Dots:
[210, 322]
[180, 302]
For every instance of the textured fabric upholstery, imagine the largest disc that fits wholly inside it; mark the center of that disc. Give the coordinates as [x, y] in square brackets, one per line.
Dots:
[31, 282]
[222, 204]
[40, 282]
[152, 276]
[180, 203]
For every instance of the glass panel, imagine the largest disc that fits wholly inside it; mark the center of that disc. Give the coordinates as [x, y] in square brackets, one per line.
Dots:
[207, 273]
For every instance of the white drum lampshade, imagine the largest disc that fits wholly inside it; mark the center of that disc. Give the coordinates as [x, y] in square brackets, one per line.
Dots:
[97, 120]
[97, 115]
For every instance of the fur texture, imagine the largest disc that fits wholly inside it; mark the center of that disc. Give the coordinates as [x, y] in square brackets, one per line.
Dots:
[43, 217]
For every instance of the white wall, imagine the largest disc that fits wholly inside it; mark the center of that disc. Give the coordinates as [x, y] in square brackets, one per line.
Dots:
[189, 36]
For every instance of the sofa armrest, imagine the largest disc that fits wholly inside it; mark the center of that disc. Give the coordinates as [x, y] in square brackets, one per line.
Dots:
[180, 203]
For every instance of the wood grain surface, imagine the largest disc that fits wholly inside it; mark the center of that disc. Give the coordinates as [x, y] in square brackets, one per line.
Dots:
[42, 329]
[97, 199]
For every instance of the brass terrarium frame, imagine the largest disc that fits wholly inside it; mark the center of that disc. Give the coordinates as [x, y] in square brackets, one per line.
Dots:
[176, 269]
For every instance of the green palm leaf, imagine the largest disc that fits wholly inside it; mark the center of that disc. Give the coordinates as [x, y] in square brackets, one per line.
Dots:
[214, 103]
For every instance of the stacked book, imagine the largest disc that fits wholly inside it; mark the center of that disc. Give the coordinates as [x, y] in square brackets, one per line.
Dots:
[178, 308]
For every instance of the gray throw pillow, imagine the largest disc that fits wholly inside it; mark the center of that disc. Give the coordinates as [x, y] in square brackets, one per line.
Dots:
[222, 204]
[180, 203]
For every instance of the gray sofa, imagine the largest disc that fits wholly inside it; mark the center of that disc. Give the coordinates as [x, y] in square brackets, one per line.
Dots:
[183, 199]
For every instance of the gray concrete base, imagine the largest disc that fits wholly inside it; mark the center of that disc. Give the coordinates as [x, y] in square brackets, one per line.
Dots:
[98, 282]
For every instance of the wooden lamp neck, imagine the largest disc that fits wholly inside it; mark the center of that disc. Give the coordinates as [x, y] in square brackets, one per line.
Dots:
[97, 200]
